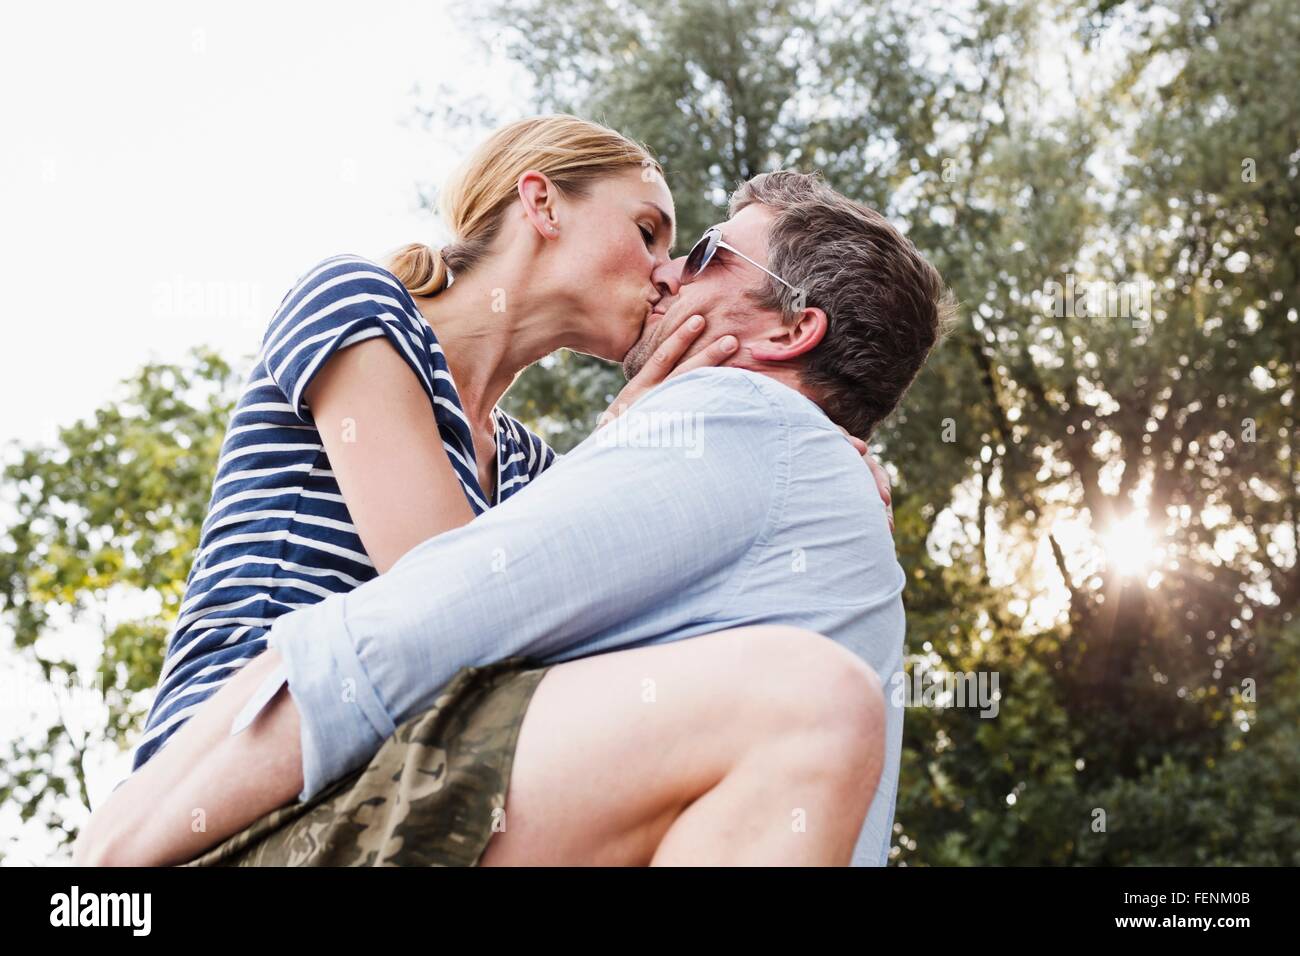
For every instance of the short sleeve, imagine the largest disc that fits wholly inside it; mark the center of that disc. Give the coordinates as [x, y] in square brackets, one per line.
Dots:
[537, 455]
[339, 302]
[541, 455]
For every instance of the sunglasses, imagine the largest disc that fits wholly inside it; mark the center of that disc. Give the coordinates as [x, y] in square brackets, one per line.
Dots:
[701, 255]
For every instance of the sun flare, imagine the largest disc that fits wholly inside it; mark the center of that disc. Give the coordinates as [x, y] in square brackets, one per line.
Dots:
[1130, 546]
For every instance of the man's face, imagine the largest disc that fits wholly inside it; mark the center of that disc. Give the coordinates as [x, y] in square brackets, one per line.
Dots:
[718, 293]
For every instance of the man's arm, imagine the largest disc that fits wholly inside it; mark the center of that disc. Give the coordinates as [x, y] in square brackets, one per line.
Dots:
[640, 531]
[617, 529]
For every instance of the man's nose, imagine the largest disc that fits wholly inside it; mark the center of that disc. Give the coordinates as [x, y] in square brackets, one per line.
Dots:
[667, 276]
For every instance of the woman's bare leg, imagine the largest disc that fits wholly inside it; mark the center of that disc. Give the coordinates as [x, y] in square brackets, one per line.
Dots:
[759, 745]
[203, 785]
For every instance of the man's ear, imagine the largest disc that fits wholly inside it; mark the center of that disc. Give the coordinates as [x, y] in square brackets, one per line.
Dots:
[538, 198]
[790, 340]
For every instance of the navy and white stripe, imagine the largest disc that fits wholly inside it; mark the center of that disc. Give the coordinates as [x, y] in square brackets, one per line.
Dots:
[277, 533]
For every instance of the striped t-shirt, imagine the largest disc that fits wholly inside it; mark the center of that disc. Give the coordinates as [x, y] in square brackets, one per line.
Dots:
[278, 535]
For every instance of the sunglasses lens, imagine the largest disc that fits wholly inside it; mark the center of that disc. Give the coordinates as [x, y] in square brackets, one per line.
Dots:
[699, 257]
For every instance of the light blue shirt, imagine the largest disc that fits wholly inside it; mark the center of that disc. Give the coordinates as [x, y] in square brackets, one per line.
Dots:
[722, 498]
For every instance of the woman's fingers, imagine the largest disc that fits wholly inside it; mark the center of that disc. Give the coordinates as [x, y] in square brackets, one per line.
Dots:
[666, 356]
[882, 485]
[881, 476]
[716, 353]
[854, 440]
[878, 473]
[661, 365]
[667, 360]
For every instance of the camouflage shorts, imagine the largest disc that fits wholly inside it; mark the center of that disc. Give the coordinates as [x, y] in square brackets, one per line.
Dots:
[433, 795]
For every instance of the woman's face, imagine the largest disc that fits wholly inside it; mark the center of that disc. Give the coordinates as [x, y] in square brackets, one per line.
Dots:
[611, 242]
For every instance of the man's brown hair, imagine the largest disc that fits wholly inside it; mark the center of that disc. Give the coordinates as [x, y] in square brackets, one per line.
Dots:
[886, 305]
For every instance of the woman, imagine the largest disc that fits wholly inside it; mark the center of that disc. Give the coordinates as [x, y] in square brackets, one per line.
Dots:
[370, 422]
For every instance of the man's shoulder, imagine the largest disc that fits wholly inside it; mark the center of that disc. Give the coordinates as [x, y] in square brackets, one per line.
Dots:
[736, 382]
[719, 418]
[732, 389]
[717, 385]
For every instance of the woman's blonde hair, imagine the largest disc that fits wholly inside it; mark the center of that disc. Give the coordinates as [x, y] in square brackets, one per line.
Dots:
[571, 152]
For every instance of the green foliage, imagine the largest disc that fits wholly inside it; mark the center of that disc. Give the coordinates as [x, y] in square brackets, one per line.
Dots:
[1030, 421]
[561, 396]
[110, 511]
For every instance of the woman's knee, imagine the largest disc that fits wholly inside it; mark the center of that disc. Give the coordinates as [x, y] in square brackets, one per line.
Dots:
[810, 682]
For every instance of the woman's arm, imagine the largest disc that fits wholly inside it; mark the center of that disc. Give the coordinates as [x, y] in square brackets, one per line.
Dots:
[383, 444]
[386, 452]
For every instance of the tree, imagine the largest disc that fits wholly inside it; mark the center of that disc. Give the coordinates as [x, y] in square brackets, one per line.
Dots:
[1165, 179]
[106, 519]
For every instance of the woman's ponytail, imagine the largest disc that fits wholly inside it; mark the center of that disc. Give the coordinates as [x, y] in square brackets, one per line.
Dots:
[420, 268]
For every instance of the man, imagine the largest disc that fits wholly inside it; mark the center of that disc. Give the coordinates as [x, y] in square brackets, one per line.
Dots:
[723, 507]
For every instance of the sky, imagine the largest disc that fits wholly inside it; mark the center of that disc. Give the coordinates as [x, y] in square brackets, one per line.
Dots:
[166, 177]
[168, 174]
